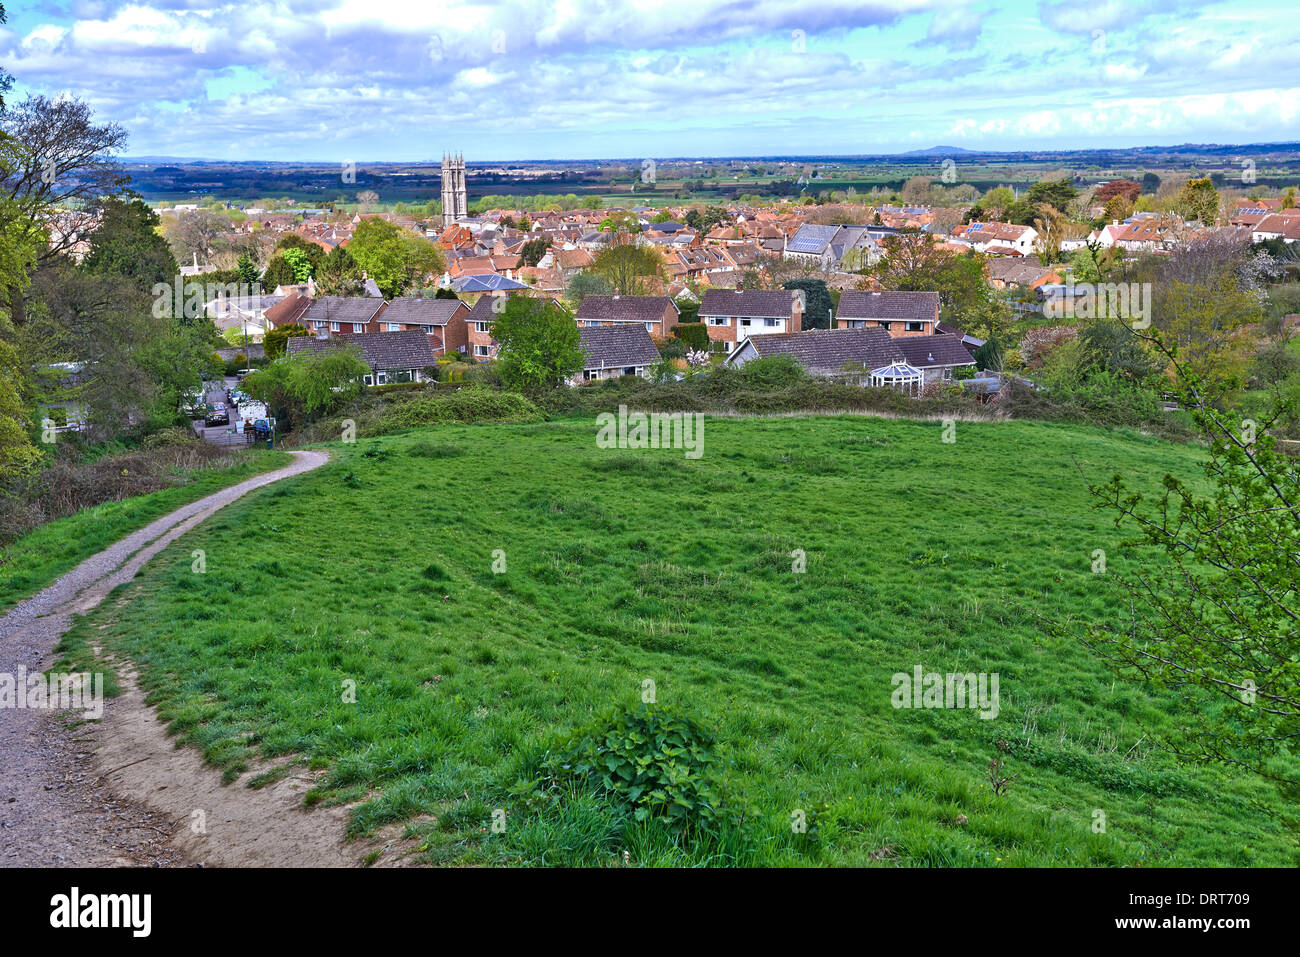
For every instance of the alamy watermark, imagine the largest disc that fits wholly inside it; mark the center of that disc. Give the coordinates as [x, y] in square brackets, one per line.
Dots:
[930, 689]
[1130, 301]
[74, 691]
[651, 430]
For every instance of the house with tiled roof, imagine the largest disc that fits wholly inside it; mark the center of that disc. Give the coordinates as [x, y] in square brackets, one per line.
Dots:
[866, 356]
[616, 350]
[733, 315]
[899, 314]
[1284, 226]
[826, 246]
[983, 237]
[442, 320]
[342, 314]
[391, 356]
[656, 314]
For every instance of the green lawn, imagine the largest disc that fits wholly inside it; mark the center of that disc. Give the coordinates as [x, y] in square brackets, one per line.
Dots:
[623, 566]
[36, 560]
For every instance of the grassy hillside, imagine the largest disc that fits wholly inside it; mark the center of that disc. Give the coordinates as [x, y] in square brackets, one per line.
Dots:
[39, 558]
[623, 566]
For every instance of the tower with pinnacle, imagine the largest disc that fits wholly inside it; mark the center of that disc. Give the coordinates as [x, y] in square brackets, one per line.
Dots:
[455, 196]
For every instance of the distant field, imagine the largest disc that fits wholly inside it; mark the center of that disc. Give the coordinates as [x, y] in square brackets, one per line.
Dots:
[623, 566]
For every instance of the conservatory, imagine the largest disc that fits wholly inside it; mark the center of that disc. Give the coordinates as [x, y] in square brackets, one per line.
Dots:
[900, 376]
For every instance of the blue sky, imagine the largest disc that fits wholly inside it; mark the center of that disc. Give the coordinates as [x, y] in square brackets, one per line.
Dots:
[359, 80]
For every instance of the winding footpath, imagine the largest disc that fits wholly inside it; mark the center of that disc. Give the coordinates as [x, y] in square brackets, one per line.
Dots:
[54, 811]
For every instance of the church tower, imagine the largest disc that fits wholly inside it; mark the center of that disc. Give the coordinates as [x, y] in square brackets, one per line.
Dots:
[455, 194]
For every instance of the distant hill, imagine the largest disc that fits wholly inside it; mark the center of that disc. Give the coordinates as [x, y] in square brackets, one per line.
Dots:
[941, 151]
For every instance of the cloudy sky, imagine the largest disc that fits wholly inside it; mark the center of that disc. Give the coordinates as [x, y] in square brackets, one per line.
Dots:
[360, 80]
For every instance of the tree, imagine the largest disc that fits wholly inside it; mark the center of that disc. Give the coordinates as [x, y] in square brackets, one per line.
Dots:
[585, 284]
[1056, 193]
[313, 251]
[817, 302]
[246, 270]
[17, 453]
[338, 274]
[127, 244]
[57, 165]
[912, 262]
[1209, 595]
[1150, 184]
[533, 251]
[6, 81]
[298, 388]
[395, 258]
[1198, 200]
[541, 346]
[1125, 188]
[276, 341]
[279, 272]
[300, 264]
[627, 267]
[620, 223]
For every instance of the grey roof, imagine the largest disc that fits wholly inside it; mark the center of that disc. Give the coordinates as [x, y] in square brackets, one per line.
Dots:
[750, 303]
[827, 351]
[489, 282]
[858, 304]
[625, 308]
[423, 312]
[927, 351]
[379, 350]
[812, 238]
[343, 309]
[618, 346]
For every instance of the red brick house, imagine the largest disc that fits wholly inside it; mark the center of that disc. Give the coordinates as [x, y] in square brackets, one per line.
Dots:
[658, 314]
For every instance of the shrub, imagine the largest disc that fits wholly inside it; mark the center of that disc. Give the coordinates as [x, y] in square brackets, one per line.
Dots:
[471, 404]
[694, 334]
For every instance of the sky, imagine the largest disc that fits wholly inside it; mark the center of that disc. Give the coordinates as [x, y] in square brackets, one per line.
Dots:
[396, 80]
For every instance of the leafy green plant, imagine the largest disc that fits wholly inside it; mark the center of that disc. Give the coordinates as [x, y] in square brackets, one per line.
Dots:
[655, 763]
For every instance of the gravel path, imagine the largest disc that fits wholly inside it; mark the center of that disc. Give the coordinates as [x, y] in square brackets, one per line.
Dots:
[53, 810]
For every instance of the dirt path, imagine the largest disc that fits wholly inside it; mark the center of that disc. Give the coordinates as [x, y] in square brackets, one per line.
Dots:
[62, 801]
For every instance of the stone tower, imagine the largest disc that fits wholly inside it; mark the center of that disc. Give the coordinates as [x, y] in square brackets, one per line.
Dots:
[455, 196]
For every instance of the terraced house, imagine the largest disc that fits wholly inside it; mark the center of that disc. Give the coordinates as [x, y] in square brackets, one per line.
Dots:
[657, 314]
[352, 315]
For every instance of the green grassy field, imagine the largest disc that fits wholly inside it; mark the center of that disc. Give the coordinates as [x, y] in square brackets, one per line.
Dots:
[623, 566]
[36, 560]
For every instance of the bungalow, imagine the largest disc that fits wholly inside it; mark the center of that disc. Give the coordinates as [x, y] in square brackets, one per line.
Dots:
[993, 236]
[734, 315]
[1284, 226]
[616, 350]
[898, 313]
[909, 364]
[442, 320]
[391, 356]
[658, 314]
[342, 314]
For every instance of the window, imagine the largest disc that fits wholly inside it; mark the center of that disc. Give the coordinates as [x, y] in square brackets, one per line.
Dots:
[382, 378]
[719, 321]
[334, 327]
[947, 372]
[649, 327]
[358, 327]
[770, 323]
[369, 380]
[744, 322]
[914, 327]
[480, 327]
[428, 330]
[394, 326]
[883, 325]
[482, 350]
